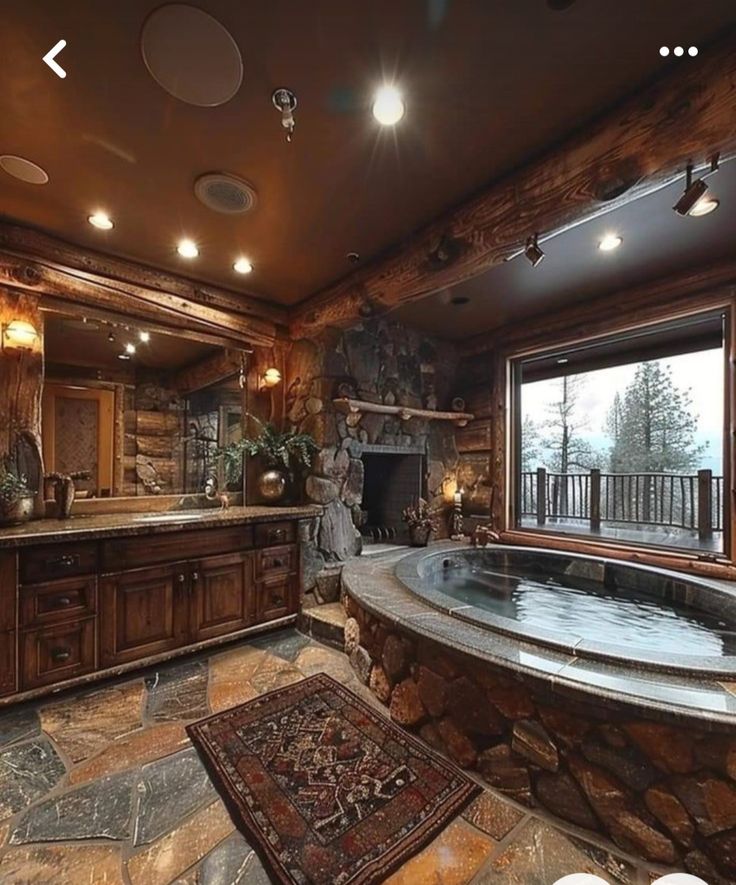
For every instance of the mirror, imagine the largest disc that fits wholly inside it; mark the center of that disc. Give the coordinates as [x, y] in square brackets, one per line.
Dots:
[137, 412]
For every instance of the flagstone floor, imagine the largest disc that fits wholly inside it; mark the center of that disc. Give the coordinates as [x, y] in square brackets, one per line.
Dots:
[102, 787]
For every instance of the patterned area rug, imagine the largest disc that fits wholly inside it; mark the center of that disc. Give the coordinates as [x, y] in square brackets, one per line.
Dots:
[326, 789]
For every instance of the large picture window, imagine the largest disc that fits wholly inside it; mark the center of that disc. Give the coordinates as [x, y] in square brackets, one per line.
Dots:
[623, 438]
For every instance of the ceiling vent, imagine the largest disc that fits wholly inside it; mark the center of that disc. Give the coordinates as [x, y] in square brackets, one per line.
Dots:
[225, 193]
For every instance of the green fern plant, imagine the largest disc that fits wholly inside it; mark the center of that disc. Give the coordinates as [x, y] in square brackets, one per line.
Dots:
[278, 448]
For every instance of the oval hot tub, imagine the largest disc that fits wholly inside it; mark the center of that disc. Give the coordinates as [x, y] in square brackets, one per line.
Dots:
[589, 607]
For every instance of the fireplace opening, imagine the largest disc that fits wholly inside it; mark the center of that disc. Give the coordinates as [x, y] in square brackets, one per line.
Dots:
[392, 481]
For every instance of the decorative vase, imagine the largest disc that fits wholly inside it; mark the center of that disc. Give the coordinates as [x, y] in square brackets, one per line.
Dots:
[272, 485]
[419, 535]
[17, 512]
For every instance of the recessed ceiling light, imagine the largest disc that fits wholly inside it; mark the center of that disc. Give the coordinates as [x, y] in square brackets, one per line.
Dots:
[704, 206]
[242, 265]
[130, 348]
[145, 337]
[187, 249]
[101, 220]
[23, 169]
[459, 300]
[610, 242]
[562, 360]
[388, 106]
[123, 356]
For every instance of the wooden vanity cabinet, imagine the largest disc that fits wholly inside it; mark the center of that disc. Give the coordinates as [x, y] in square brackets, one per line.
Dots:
[70, 610]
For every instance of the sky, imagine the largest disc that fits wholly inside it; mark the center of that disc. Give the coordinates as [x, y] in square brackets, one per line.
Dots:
[701, 373]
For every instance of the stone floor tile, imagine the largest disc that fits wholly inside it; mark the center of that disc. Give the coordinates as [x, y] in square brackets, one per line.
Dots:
[225, 695]
[61, 865]
[136, 748]
[171, 789]
[98, 810]
[452, 858]
[238, 664]
[320, 659]
[493, 814]
[176, 852]
[233, 862]
[18, 725]
[178, 692]
[82, 726]
[27, 772]
[274, 673]
[285, 644]
[539, 854]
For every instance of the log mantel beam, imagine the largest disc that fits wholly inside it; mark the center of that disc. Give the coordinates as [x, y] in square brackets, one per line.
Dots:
[644, 143]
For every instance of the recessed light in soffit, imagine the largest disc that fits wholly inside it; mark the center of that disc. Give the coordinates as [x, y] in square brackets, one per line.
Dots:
[23, 169]
[191, 55]
[225, 193]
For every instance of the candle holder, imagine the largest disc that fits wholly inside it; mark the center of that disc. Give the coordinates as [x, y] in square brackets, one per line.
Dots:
[457, 532]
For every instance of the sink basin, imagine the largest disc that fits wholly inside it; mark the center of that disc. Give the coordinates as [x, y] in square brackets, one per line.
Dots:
[167, 517]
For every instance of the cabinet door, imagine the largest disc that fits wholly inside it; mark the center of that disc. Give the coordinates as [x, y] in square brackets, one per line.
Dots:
[56, 652]
[222, 595]
[143, 613]
[276, 598]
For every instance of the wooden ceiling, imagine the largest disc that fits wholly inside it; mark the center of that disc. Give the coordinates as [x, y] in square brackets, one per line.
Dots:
[488, 87]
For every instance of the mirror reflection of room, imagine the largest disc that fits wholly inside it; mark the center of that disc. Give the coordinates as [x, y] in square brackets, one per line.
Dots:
[130, 412]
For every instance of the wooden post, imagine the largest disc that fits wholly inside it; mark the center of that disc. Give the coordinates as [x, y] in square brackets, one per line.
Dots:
[595, 500]
[705, 504]
[541, 495]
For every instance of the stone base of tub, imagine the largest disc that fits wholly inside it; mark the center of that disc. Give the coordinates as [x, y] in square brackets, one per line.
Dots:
[664, 792]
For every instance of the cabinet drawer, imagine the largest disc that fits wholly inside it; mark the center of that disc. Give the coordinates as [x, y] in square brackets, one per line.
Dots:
[53, 561]
[270, 533]
[121, 554]
[276, 598]
[56, 601]
[275, 561]
[51, 654]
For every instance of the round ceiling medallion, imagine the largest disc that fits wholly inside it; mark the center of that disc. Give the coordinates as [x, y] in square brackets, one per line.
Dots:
[23, 169]
[225, 193]
[191, 55]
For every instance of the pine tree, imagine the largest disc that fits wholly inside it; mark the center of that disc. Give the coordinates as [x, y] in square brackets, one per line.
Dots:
[652, 426]
[570, 453]
[531, 447]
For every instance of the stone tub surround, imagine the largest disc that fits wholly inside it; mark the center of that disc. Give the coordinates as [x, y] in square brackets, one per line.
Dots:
[117, 794]
[641, 758]
[109, 525]
[421, 573]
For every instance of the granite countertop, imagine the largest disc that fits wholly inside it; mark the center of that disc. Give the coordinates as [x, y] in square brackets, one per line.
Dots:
[90, 527]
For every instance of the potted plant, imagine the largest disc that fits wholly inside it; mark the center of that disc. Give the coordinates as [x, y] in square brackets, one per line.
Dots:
[283, 453]
[16, 499]
[421, 521]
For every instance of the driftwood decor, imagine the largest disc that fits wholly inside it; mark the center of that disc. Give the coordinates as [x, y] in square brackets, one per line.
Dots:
[646, 142]
[355, 407]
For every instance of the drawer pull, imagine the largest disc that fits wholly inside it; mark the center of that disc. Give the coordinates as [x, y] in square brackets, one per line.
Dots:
[277, 563]
[195, 576]
[180, 578]
[59, 655]
[61, 601]
[277, 600]
[65, 561]
[277, 534]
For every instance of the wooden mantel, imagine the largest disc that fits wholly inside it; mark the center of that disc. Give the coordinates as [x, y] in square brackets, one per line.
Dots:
[687, 114]
[355, 406]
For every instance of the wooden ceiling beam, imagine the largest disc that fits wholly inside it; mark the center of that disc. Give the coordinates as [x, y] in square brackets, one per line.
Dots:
[644, 143]
[172, 311]
[28, 243]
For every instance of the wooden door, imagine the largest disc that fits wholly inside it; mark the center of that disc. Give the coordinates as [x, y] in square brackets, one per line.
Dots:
[222, 595]
[78, 434]
[143, 612]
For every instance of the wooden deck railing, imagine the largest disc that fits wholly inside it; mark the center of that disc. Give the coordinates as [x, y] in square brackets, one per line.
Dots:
[686, 501]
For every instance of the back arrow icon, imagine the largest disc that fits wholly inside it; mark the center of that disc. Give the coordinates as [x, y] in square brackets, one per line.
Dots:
[51, 55]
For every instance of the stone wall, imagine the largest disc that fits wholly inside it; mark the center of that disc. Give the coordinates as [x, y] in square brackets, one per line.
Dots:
[662, 791]
[381, 362]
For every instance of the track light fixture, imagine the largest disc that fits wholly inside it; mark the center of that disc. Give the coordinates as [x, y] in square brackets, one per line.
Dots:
[695, 190]
[533, 250]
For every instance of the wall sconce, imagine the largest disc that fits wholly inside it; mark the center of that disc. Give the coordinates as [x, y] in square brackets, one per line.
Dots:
[270, 378]
[19, 335]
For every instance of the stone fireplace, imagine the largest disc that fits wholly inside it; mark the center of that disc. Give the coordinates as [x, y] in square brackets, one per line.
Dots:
[392, 478]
